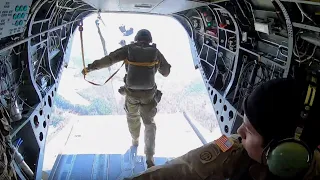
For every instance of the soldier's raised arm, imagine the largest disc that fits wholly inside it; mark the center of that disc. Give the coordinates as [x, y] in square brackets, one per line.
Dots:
[107, 61]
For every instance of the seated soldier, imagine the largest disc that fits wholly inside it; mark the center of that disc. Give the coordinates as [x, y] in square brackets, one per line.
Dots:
[272, 113]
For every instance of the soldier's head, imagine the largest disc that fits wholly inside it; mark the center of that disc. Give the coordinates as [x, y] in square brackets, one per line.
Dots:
[143, 35]
[272, 112]
[272, 115]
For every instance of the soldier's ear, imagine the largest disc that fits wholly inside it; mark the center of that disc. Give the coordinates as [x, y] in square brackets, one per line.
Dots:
[266, 150]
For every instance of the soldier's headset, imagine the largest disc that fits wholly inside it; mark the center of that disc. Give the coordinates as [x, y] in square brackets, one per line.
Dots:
[291, 157]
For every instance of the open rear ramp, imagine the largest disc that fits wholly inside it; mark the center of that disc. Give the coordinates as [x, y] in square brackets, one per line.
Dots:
[99, 147]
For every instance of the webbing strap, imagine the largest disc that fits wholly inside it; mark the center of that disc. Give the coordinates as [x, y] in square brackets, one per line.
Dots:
[144, 64]
[108, 78]
[311, 93]
[84, 64]
[82, 49]
[308, 102]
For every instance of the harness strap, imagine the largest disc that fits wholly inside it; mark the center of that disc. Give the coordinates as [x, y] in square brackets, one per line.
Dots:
[144, 64]
[84, 64]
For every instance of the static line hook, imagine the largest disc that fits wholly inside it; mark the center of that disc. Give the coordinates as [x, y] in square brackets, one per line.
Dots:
[81, 26]
[81, 23]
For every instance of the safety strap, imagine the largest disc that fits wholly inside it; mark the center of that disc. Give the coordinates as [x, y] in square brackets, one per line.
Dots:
[84, 64]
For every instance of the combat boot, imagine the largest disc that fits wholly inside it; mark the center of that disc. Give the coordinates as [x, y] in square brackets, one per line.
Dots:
[135, 142]
[149, 161]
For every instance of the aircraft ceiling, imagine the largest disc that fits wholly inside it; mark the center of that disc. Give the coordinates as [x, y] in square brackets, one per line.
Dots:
[144, 6]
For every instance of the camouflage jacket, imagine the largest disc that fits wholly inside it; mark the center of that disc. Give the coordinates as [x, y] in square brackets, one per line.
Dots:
[121, 54]
[209, 162]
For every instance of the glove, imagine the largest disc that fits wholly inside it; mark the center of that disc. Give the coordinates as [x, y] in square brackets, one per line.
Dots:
[122, 90]
[158, 96]
[86, 70]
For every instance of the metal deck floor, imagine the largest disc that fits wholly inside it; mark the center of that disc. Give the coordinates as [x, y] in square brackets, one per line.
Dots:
[101, 166]
[99, 147]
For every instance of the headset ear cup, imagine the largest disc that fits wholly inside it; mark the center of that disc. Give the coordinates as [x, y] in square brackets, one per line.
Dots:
[288, 158]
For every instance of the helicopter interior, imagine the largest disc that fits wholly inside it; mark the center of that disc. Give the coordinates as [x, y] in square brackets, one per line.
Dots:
[237, 45]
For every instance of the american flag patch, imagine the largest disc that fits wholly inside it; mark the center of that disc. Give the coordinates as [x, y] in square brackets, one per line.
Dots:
[224, 143]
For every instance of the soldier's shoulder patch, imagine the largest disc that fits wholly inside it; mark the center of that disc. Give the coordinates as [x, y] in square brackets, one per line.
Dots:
[209, 154]
[224, 143]
[206, 156]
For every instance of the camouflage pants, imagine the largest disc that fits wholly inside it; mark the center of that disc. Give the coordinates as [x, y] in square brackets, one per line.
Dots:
[146, 108]
[7, 171]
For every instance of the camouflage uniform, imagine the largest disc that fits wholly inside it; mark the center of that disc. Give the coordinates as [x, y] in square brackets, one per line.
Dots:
[7, 171]
[146, 108]
[271, 110]
[210, 163]
[139, 102]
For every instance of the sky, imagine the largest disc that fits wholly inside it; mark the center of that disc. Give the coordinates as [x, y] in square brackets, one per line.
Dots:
[169, 35]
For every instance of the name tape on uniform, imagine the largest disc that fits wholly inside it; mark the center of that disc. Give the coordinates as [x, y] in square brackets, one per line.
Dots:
[224, 143]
